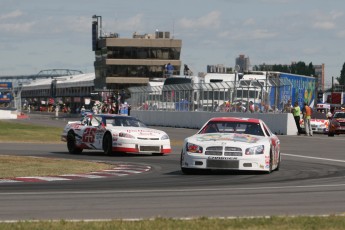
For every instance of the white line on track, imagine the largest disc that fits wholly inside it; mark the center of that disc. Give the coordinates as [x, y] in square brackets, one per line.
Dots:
[175, 190]
[314, 158]
[318, 137]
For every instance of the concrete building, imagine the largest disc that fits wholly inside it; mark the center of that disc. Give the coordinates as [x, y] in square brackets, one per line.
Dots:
[243, 62]
[126, 62]
[218, 69]
[320, 74]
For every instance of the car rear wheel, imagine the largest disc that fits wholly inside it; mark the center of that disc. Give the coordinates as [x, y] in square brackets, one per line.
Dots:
[330, 134]
[108, 144]
[71, 144]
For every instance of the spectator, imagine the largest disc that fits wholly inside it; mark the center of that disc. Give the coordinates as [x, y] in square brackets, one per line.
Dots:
[82, 110]
[296, 111]
[129, 109]
[122, 96]
[307, 112]
[227, 106]
[288, 107]
[251, 107]
[186, 70]
[169, 69]
[216, 107]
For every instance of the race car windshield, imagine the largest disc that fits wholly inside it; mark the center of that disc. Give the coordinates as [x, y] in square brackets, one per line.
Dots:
[339, 115]
[233, 127]
[125, 121]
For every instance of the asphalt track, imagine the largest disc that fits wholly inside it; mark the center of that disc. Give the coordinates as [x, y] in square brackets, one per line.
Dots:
[310, 182]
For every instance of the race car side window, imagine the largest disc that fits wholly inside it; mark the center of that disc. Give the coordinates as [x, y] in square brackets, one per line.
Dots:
[267, 131]
[94, 122]
[117, 122]
[84, 121]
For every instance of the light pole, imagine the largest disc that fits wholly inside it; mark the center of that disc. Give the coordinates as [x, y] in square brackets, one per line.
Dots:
[237, 68]
[17, 93]
[53, 92]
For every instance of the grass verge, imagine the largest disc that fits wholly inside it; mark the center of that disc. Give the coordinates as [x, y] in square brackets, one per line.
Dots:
[15, 132]
[18, 166]
[271, 223]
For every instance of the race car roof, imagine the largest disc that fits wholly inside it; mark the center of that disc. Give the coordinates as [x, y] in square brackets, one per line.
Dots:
[235, 119]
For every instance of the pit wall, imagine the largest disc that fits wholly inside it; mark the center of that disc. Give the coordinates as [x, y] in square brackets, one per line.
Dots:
[282, 123]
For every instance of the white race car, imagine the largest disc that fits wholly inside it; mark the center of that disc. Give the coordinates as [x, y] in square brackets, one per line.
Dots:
[319, 123]
[230, 143]
[114, 133]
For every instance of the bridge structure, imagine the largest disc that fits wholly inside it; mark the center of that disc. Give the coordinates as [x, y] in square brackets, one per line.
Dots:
[48, 73]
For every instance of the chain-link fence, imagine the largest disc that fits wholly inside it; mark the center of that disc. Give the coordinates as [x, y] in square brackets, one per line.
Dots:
[273, 95]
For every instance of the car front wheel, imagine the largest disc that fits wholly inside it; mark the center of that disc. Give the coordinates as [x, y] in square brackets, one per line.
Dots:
[71, 144]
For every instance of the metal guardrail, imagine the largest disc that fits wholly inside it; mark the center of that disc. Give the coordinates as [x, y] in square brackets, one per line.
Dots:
[216, 97]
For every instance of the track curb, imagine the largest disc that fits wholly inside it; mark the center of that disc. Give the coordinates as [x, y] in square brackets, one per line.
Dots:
[119, 171]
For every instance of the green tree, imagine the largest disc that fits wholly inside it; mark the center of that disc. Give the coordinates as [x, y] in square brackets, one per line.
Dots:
[341, 79]
[296, 68]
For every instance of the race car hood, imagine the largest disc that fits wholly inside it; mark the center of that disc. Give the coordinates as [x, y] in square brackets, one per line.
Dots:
[235, 139]
[140, 132]
[340, 119]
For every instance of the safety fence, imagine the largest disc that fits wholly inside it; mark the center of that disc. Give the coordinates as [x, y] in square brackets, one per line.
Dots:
[272, 95]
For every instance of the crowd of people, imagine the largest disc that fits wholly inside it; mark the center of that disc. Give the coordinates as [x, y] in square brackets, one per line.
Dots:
[227, 106]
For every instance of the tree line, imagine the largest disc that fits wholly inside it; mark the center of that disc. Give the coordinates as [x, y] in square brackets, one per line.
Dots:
[295, 68]
[300, 68]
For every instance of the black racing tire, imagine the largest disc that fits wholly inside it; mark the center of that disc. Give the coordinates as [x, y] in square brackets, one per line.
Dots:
[108, 144]
[330, 134]
[71, 144]
[188, 171]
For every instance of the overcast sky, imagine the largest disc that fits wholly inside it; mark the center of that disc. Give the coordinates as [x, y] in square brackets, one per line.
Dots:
[53, 34]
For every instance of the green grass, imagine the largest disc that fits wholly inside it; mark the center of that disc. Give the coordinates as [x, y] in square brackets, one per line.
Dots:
[18, 166]
[271, 223]
[14, 132]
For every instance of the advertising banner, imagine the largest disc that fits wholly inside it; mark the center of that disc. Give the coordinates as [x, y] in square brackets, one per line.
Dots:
[5, 97]
[5, 85]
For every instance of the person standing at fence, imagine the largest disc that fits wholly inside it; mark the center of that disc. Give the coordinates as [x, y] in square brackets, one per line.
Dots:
[307, 112]
[251, 107]
[169, 69]
[186, 70]
[296, 111]
[288, 107]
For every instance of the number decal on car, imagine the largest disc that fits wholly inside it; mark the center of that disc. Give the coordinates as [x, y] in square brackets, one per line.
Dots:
[89, 135]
